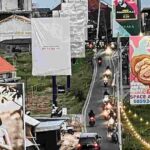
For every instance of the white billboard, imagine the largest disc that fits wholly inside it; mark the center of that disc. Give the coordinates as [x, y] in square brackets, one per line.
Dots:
[78, 13]
[51, 46]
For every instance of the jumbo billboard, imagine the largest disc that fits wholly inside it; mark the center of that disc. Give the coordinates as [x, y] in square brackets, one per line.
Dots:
[139, 70]
[126, 18]
[51, 53]
[12, 109]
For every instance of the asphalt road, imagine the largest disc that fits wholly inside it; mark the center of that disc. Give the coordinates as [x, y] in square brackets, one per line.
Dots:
[95, 104]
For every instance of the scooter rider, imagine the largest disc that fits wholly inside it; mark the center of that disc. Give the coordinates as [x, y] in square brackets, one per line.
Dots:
[91, 114]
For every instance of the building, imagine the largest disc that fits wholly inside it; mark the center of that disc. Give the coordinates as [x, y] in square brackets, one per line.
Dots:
[15, 33]
[105, 19]
[15, 7]
[145, 15]
[7, 72]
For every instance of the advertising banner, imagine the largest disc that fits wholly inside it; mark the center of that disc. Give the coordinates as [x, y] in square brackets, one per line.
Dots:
[78, 13]
[126, 18]
[139, 70]
[51, 46]
[12, 109]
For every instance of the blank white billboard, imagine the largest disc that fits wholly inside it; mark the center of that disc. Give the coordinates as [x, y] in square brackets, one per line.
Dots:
[51, 53]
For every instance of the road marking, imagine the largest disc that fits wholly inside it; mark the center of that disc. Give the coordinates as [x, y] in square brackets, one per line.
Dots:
[84, 110]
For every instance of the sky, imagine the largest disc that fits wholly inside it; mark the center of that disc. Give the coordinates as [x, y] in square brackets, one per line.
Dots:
[53, 3]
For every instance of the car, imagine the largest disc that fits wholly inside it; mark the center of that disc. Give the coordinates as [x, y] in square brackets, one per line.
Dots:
[89, 141]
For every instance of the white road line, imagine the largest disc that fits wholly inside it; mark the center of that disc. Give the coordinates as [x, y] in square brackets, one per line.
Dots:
[84, 110]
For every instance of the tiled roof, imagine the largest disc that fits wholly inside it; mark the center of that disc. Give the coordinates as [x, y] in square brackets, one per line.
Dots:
[5, 66]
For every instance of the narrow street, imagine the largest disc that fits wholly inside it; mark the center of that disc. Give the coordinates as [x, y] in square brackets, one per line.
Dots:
[96, 105]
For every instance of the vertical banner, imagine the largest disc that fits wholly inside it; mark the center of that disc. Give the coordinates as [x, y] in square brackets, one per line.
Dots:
[139, 70]
[12, 109]
[51, 46]
[126, 18]
[78, 13]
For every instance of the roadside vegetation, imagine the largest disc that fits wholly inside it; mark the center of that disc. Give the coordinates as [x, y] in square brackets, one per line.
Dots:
[139, 117]
[37, 87]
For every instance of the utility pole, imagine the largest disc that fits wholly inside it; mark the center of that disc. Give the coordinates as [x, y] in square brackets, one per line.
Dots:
[98, 20]
[119, 86]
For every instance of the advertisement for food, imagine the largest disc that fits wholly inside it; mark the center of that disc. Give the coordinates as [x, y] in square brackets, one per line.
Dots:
[139, 53]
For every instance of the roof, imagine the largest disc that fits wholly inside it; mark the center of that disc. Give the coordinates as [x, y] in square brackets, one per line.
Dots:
[31, 121]
[5, 66]
[21, 18]
[17, 41]
[49, 126]
[145, 10]
[83, 135]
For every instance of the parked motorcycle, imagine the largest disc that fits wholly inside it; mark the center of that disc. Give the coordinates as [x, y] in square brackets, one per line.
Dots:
[92, 121]
[56, 112]
[68, 129]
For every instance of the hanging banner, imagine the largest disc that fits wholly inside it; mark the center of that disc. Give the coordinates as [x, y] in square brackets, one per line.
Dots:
[12, 110]
[140, 70]
[126, 18]
[51, 46]
[78, 13]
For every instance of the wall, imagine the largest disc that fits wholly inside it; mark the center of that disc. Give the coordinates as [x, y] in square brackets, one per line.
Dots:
[8, 5]
[28, 5]
[47, 140]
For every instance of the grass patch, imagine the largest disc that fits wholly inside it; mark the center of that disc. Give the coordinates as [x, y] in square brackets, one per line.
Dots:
[142, 126]
[80, 81]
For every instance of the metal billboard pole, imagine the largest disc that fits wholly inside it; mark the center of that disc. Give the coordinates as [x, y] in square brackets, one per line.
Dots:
[98, 20]
[119, 91]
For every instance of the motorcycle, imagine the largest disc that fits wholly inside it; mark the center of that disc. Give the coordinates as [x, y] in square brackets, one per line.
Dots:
[92, 121]
[105, 83]
[114, 137]
[56, 112]
[99, 61]
[68, 129]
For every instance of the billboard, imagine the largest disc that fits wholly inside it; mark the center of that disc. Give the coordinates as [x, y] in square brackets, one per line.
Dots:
[139, 52]
[51, 46]
[126, 18]
[12, 107]
[78, 13]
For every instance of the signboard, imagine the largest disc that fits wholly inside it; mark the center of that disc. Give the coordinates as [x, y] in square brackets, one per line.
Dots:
[51, 46]
[140, 70]
[78, 13]
[126, 18]
[12, 109]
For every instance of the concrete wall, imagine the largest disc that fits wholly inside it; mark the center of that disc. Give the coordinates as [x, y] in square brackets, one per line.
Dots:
[28, 5]
[48, 140]
[8, 5]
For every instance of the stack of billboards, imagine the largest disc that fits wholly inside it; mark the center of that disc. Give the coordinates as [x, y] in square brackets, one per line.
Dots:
[126, 23]
[77, 11]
